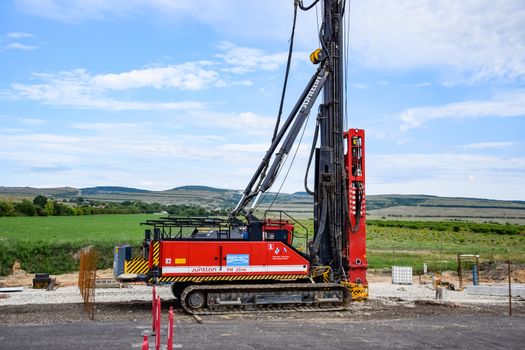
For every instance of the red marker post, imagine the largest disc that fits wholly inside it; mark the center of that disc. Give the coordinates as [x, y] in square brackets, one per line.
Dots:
[145, 342]
[170, 329]
[157, 325]
[153, 310]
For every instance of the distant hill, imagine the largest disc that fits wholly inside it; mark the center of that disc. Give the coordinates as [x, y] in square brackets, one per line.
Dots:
[109, 189]
[421, 207]
[198, 188]
[394, 200]
[299, 204]
[31, 192]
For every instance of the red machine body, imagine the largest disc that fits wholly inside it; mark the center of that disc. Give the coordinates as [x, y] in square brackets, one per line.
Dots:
[230, 259]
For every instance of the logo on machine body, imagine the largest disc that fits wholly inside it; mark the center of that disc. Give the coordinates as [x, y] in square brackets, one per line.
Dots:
[237, 259]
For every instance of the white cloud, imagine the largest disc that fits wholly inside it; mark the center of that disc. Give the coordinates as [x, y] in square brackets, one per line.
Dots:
[258, 148]
[491, 145]
[122, 146]
[245, 59]
[107, 127]
[448, 174]
[186, 76]
[69, 95]
[245, 123]
[80, 89]
[33, 121]
[360, 86]
[19, 35]
[73, 11]
[19, 46]
[478, 39]
[511, 104]
[238, 18]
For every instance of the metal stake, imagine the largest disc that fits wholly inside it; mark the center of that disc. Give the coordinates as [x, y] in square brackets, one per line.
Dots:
[510, 290]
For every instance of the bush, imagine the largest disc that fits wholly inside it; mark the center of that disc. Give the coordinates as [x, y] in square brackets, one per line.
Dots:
[7, 209]
[25, 207]
[50, 257]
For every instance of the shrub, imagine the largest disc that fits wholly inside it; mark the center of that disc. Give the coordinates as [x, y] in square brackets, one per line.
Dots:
[25, 207]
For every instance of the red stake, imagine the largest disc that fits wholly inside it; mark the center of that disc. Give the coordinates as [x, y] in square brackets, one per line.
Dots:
[153, 310]
[157, 326]
[170, 329]
[145, 342]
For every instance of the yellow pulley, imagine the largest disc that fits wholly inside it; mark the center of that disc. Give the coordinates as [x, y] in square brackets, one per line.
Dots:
[316, 56]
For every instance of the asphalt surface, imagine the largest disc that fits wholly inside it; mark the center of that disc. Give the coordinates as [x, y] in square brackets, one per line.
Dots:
[370, 326]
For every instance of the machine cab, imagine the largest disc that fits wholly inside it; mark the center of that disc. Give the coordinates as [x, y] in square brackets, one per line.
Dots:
[275, 230]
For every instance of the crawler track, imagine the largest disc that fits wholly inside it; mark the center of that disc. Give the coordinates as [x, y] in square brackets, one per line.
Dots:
[219, 299]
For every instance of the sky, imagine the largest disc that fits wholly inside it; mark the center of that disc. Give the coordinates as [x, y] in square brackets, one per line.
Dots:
[156, 94]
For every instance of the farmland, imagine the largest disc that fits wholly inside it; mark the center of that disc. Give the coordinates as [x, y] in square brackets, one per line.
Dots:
[93, 228]
[437, 243]
[51, 243]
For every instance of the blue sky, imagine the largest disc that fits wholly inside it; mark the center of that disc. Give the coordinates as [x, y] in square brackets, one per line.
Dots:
[158, 94]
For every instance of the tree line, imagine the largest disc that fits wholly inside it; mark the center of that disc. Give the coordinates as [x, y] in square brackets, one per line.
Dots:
[456, 226]
[44, 206]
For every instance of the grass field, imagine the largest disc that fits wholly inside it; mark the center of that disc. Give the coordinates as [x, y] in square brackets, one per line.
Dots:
[88, 228]
[409, 243]
[389, 246]
[51, 244]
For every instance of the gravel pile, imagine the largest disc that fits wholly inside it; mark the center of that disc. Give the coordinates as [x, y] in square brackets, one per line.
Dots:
[384, 291]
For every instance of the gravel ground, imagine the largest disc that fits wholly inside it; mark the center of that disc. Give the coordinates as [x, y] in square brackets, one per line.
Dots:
[70, 295]
[137, 292]
[395, 316]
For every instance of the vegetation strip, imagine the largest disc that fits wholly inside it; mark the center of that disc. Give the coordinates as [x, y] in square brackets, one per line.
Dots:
[51, 244]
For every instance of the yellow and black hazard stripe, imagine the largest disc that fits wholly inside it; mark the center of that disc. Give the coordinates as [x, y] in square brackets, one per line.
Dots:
[359, 292]
[156, 253]
[136, 265]
[226, 278]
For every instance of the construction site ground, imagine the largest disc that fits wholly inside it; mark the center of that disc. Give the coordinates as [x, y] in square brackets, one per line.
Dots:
[395, 316]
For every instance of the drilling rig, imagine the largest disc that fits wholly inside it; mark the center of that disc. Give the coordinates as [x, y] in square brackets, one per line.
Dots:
[245, 262]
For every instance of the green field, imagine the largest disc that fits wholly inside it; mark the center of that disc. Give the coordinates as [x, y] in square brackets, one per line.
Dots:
[437, 243]
[92, 228]
[51, 244]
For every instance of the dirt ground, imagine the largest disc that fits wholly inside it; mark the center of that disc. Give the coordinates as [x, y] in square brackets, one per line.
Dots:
[140, 311]
[20, 278]
[379, 323]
